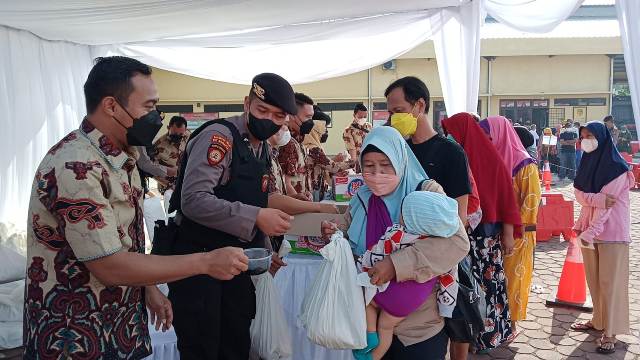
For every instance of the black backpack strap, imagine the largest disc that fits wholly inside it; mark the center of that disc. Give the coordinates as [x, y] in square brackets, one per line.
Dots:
[176, 198]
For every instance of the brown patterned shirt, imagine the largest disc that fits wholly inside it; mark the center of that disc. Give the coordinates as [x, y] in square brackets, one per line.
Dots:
[169, 154]
[320, 168]
[353, 137]
[292, 162]
[86, 203]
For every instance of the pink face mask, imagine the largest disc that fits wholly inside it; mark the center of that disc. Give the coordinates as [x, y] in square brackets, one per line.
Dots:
[381, 184]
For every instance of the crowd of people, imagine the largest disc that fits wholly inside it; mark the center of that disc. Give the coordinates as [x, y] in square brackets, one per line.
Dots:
[561, 146]
[463, 203]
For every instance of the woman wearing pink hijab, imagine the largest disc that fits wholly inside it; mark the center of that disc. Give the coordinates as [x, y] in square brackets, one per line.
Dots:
[518, 266]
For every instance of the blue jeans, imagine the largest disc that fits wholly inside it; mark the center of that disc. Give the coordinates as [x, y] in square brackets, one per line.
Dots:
[567, 165]
[578, 158]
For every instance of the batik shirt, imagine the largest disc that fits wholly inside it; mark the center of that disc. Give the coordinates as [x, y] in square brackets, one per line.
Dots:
[168, 154]
[85, 204]
[354, 135]
[292, 161]
[320, 169]
[276, 178]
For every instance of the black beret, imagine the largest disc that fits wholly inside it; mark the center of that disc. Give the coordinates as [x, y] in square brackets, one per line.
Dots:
[274, 90]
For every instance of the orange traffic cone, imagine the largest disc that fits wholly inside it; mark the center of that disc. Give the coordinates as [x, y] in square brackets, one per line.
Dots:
[546, 176]
[572, 289]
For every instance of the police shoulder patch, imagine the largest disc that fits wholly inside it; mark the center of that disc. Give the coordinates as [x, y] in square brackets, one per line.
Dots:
[215, 155]
[221, 142]
[218, 149]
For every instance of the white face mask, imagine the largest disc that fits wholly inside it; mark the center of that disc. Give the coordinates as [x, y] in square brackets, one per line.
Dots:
[283, 137]
[589, 145]
[361, 121]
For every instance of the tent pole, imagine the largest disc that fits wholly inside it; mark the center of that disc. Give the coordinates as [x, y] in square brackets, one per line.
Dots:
[369, 99]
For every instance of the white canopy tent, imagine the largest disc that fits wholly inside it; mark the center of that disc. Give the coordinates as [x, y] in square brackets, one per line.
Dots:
[47, 48]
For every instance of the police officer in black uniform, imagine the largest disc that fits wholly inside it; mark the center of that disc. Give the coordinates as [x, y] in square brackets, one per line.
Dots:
[222, 196]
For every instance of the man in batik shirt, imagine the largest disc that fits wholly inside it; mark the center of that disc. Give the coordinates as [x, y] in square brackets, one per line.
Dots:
[168, 151]
[292, 155]
[88, 279]
[354, 135]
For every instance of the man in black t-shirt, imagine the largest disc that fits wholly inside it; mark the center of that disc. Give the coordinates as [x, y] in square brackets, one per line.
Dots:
[568, 138]
[443, 160]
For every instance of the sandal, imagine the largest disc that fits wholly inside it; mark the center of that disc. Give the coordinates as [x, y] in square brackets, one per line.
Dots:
[512, 337]
[582, 326]
[607, 345]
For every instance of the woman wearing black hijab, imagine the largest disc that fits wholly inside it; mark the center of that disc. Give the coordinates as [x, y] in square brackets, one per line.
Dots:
[602, 188]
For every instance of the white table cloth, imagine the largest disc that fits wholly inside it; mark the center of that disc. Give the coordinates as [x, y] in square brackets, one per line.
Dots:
[292, 281]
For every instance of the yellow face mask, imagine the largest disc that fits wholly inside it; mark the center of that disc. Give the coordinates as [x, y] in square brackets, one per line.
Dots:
[405, 123]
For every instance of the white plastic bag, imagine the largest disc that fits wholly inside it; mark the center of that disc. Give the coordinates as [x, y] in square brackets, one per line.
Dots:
[270, 335]
[333, 308]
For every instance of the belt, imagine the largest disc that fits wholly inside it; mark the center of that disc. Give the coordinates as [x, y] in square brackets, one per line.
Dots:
[529, 228]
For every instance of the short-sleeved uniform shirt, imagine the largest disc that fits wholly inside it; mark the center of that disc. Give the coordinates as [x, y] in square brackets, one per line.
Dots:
[168, 153]
[445, 162]
[85, 204]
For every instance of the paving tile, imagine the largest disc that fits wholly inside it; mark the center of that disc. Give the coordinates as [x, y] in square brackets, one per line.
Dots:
[549, 355]
[522, 348]
[537, 334]
[529, 325]
[525, 357]
[541, 344]
[569, 351]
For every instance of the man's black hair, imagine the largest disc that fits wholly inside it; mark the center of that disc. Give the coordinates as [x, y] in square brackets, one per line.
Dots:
[414, 89]
[178, 121]
[359, 107]
[608, 118]
[302, 99]
[111, 76]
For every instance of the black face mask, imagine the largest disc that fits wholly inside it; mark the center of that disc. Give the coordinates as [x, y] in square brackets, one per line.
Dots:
[175, 138]
[144, 128]
[324, 137]
[306, 126]
[262, 129]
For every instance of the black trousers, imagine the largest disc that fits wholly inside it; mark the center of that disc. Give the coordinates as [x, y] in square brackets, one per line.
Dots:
[434, 348]
[212, 318]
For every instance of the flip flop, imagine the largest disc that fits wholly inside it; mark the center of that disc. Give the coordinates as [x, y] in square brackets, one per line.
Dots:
[582, 326]
[607, 350]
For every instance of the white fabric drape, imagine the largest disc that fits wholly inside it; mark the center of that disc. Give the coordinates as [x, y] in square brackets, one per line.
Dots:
[301, 54]
[628, 14]
[41, 100]
[531, 15]
[104, 22]
[457, 48]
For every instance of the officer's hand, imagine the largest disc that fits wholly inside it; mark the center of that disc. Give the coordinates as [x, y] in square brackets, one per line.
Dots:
[225, 263]
[273, 222]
